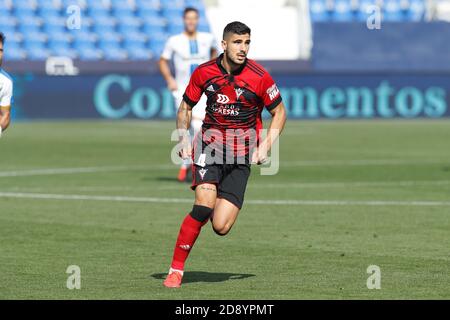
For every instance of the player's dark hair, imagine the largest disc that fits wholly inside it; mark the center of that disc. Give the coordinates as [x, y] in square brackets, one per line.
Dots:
[236, 27]
[2, 37]
[189, 9]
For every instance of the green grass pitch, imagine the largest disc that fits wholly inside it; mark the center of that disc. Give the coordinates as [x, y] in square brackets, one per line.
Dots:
[349, 194]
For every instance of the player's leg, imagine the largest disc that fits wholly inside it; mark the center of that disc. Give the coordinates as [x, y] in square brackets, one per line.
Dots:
[224, 217]
[230, 198]
[205, 198]
[184, 168]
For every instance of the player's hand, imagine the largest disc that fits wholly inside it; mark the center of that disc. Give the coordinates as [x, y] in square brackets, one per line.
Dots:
[186, 151]
[172, 84]
[259, 156]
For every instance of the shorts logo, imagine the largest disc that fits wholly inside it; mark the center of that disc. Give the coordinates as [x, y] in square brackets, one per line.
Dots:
[273, 92]
[238, 91]
[202, 172]
[210, 88]
[221, 98]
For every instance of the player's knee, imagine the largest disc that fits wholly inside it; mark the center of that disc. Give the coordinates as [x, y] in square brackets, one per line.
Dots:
[221, 229]
[201, 213]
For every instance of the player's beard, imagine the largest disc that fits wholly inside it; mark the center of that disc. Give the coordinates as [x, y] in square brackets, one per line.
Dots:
[235, 61]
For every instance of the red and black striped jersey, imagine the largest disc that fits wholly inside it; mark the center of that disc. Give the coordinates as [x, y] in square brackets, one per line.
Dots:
[236, 100]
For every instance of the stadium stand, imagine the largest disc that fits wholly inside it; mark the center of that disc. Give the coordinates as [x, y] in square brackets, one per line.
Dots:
[357, 10]
[110, 29]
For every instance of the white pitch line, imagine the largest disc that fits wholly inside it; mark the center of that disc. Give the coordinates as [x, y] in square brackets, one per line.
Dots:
[302, 163]
[255, 202]
[361, 162]
[320, 185]
[56, 171]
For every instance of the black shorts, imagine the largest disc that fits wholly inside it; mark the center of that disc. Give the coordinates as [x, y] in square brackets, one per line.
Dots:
[230, 179]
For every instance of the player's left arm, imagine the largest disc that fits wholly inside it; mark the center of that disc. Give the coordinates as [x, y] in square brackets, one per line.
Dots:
[275, 128]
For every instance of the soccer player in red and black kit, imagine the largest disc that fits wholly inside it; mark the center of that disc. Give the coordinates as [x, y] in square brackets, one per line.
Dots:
[237, 90]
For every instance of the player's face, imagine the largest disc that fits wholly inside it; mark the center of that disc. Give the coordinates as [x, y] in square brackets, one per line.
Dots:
[1, 53]
[236, 47]
[191, 21]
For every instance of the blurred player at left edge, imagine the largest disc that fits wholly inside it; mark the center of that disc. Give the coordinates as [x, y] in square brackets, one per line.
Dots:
[6, 90]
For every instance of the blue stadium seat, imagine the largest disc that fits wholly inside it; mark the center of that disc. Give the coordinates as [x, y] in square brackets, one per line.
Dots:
[130, 21]
[81, 3]
[89, 53]
[138, 53]
[362, 12]
[36, 37]
[98, 12]
[64, 51]
[5, 5]
[113, 53]
[14, 52]
[24, 13]
[47, 13]
[28, 29]
[60, 37]
[148, 4]
[175, 27]
[175, 4]
[83, 35]
[123, 26]
[342, 11]
[7, 29]
[36, 51]
[31, 21]
[48, 5]
[318, 11]
[416, 10]
[122, 5]
[14, 38]
[24, 5]
[157, 42]
[102, 29]
[392, 11]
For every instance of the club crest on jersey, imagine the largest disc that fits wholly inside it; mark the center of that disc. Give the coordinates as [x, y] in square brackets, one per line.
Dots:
[221, 98]
[238, 91]
[273, 92]
[202, 172]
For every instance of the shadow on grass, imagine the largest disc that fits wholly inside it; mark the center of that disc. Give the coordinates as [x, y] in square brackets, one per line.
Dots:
[201, 276]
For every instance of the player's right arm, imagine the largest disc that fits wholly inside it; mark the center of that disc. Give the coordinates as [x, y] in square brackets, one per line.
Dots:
[5, 118]
[191, 96]
[164, 67]
[184, 117]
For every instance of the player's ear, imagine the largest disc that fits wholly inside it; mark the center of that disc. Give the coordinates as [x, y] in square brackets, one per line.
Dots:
[224, 45]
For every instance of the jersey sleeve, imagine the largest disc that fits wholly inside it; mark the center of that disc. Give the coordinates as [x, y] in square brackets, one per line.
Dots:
[269, 92]
[6, 95]
[168, 49]
[194, 90]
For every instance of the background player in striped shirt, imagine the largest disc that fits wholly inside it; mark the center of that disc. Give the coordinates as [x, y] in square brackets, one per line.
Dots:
[6, 91]
[187, 49]
[237, 90]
